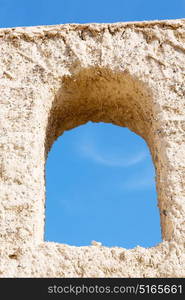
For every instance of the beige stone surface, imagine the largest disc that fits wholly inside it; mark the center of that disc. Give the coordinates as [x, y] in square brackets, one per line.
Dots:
[54, 78]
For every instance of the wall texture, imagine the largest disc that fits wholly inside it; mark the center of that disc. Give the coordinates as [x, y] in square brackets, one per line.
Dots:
[54, 78]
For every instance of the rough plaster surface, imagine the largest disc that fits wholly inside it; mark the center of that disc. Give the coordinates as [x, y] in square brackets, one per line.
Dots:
[54, 78]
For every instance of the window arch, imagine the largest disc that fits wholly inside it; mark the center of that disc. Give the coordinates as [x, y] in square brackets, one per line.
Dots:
[99, 94]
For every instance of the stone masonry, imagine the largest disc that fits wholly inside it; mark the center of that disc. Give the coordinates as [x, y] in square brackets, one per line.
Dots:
[54, 78]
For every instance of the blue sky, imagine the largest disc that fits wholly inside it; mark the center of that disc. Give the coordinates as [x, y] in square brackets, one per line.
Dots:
[100, 186]
[42, 12]
[100, 177]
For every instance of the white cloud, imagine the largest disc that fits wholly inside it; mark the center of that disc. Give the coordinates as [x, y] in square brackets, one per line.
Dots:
[89, 151]
[143, 181]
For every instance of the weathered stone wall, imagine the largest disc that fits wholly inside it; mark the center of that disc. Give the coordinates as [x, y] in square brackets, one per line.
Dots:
[54, 78]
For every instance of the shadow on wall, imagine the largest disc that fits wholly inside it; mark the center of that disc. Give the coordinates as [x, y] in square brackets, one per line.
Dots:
[100, 95]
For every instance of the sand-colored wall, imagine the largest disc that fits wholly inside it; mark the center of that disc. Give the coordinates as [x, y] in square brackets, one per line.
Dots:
[54, 78]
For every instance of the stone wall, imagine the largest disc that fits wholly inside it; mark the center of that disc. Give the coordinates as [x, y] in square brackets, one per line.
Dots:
[54, 78]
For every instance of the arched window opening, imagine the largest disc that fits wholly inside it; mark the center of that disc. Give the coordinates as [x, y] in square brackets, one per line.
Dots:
[100, 185]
